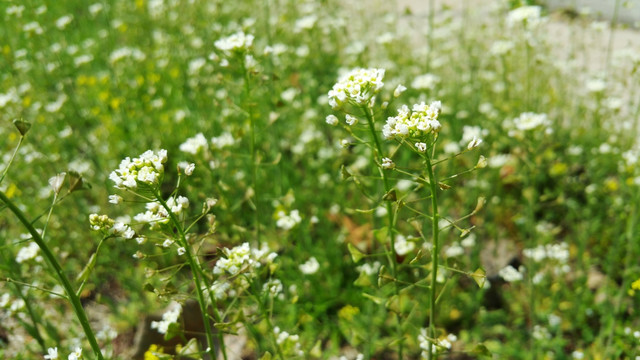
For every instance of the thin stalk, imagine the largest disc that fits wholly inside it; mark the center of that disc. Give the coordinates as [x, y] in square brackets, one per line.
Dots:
[254, 165]
[66, 284]
[4, 173]
[614, 23]
[434, 253]
[392, 257]
[195, 270]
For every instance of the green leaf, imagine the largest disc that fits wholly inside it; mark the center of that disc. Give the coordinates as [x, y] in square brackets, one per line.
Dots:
[266, 356]
[316, 351]
[375, 299]
[482, 350]
[390, 196]
[22, 126]
[345, 173]
[148, 287]
[415, 259]
[479, 276]
[172, 331]
[75, 181]
[356, 255]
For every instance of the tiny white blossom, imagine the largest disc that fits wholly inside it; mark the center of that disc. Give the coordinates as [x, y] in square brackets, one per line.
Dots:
[351, 120]
[332, 120]
[399, 90]
[115, 199]
[310, 267]
[387, 163]
[52, 353]
[422, 147]
[181, 251]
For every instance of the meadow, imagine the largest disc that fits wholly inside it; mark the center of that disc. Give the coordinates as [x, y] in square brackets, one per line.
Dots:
[278, 179]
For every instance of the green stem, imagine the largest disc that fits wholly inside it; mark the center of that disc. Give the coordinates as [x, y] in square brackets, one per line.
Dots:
[66, 284]
[254, 164]
[195, 271]
[4, 173]
[434, 253]
[391, 255]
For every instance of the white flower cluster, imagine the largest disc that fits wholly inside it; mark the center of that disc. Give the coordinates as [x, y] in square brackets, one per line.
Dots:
[273, 287]
[421, 120]
[558, 252]
[237, 42]
[168, 318]
[529, 16]
[510, 274]
[146, 169]
[356, 87]
[310, 267]
[288, 221]
[442, 345]
[242, 258]
[107, 225]
[157, 214]
[529, 121]
[28, 252]
[194, 144]
[402, 246]
[289, 344]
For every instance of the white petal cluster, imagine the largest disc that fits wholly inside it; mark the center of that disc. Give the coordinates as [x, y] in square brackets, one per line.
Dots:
[289, 344]
[417, 122]
[27, 253]
[402, 246]
[273, 287]
[510, 274]
[558, 252]
[443, 344]
[194, 144]
[147, 169]
[310, 267]
[242, 258]
[529, 16]
[168, 318]
[356, 87]
[288, 221]
[157, 214]
[237, 42]
[529, 121]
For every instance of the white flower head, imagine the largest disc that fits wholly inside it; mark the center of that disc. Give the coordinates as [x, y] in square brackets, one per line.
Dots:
[310, 267]
[399, 90]
[238, 42]
[358, 87]
[332, 120]
[416, 122]
[52, 353]
[147, 169]
[351, 120]
[387, 163]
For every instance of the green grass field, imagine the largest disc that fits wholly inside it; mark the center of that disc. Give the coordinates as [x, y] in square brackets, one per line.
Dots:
[278, 179]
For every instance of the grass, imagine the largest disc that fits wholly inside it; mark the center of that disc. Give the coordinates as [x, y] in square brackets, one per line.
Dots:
[522, 246]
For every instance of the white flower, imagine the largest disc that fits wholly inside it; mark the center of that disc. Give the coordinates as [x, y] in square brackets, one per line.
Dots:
[115, 199]
[357, 87]
[181, 251]
[273, 286]
[76, 354]
[168, 318]
[145, 169]
[167, 243]
[194, 145]
[188, 170]
[310, 267]
[422, 147]
[529, 121]
[425, 82]
[474, 143]
[387, 163]
[421, 120]
[27, 253]
[399, 90]
[237, 42]
[52, 353]
[287, 222]
[529, 16]
[402, 246]
[332, 120]
[62, 22]
[510, 274]
[351, 120]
